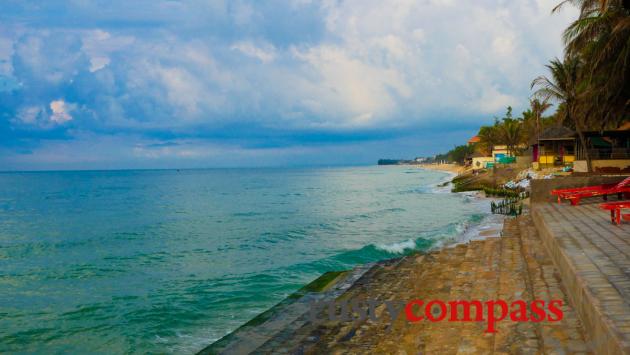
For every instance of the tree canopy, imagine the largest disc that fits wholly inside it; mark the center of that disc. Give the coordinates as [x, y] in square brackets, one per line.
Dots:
[590, 85]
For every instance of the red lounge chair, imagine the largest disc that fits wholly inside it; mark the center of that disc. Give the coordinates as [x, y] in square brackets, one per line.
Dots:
[615, 210]
[576, 194]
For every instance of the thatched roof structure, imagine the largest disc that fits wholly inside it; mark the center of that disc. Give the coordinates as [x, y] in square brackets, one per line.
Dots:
[557, 133]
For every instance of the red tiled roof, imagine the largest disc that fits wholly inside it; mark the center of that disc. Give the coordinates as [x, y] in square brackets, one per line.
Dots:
[474, 139]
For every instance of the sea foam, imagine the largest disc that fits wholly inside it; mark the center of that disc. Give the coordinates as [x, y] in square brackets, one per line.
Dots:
[397, 248]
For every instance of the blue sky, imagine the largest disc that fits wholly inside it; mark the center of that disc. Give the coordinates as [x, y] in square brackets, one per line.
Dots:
[95, 84]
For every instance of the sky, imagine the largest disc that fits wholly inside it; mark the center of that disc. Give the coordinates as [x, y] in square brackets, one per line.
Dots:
[111, 84]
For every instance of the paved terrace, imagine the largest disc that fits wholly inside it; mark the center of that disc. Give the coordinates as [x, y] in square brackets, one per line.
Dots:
[593, 258]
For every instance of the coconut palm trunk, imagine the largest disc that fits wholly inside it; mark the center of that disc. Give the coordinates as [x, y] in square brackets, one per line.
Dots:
[563, 86]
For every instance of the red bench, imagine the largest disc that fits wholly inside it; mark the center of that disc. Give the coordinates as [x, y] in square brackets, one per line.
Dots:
[615, 211]
[576, 194]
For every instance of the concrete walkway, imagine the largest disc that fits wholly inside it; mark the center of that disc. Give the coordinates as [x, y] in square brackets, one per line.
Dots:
[593, 259]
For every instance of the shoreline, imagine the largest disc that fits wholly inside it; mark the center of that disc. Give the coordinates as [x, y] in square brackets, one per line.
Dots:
[489, 227]
[493, 258]
[451, 168]
[511, 266]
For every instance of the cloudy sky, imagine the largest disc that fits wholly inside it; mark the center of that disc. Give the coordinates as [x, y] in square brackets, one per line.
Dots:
[88, 84]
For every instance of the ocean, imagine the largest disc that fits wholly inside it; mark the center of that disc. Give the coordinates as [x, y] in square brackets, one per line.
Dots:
[167, 261]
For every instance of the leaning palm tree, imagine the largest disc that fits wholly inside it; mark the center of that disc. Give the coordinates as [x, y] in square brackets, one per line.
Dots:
[565, 86]
[562, 86]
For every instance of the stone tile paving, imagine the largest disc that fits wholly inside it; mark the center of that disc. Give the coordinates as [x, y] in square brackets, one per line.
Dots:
[593, 257]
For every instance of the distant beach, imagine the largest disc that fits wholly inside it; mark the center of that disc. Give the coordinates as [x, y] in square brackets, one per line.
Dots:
[451, 168]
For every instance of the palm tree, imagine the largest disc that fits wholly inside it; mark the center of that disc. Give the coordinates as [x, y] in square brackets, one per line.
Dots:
[563, 85]
[566, 88]
[511, 134]
[489, 136]
[532, 120]
[538, 108]
[601, 38]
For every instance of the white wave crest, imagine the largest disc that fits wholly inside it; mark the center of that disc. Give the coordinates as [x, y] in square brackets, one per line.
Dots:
[397, 248]
[444, 186]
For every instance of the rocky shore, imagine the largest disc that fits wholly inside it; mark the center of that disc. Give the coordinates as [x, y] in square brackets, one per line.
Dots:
[513, 266]
[509, 265]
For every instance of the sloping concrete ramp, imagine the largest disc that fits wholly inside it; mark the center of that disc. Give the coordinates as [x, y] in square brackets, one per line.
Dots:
[289, 314]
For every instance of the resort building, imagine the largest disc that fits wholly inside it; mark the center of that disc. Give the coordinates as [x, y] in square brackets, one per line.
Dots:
[500, 151]
[560, 146]
[554, 147]
[474, 140]
[477, 160]
[609, 151]
[480, 161]
[499, 154]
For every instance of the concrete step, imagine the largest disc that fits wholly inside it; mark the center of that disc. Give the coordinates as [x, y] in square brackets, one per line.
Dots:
[514, 284]
[544, 283]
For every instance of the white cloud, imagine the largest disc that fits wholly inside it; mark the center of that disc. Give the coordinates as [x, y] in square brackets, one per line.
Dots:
[183, 88]
[97, 63]
[413, 59]
[351, 91]
[419, 35]
[442, 2]
[265, 53]
[503, 46]
[39, 116]
[60, 111]
[99, 45]
[370, 64]
[30, 115]
[206, 67]
[400, 62]
[492, 100]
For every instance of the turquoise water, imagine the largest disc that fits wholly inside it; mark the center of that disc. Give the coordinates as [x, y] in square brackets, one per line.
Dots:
[168, 261]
